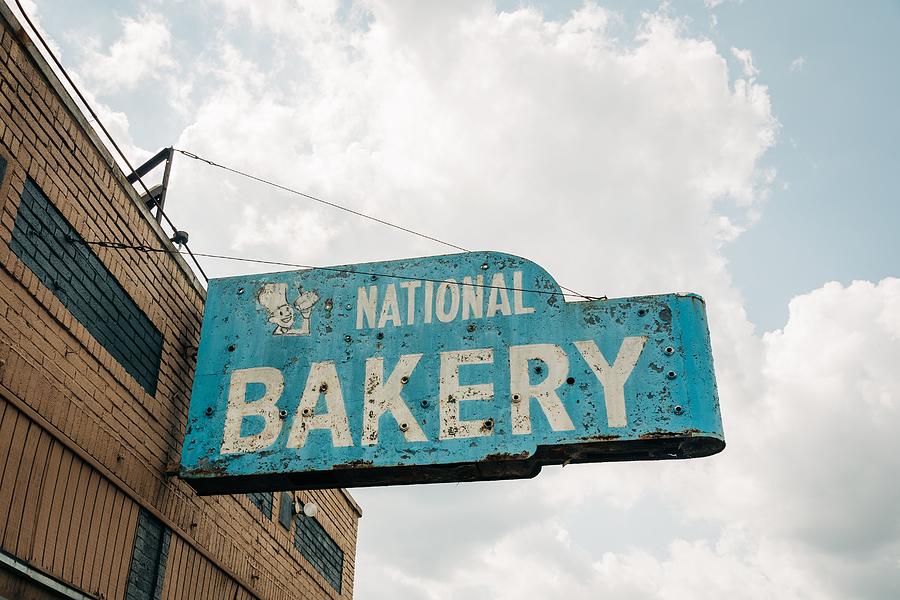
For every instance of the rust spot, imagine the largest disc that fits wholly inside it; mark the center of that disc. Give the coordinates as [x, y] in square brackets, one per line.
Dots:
[662, 435]
[371, 384]
[355, 464]
[506, 456]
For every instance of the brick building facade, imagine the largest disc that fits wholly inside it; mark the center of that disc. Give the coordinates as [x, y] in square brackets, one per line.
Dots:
[96, 362]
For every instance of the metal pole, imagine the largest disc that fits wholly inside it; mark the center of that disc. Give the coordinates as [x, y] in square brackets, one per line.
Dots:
[170, 156]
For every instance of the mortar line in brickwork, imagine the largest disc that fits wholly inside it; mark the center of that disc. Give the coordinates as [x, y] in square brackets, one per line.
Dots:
[99, 122]
[121, 484]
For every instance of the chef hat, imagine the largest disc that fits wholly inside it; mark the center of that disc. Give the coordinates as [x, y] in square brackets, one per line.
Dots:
[272, 295]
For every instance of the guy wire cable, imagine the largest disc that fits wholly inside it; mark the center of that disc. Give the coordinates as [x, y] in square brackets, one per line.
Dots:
[232, 170]
[343, 208]
[109, 136]
[153, 250]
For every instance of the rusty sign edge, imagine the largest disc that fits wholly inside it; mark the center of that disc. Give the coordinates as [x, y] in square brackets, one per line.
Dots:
[215, 476]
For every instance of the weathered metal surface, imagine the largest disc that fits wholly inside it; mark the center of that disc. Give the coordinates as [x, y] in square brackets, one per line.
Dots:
[409, 372]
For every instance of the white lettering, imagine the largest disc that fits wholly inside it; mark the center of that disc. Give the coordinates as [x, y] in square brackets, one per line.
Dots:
[613, 378]
[410, 287]
[385, 397]
[322, 380]
[429, 295]
[498, 299]
[518, 301]
[544, 392]
[452, 394]
[390, 309]
[473, 297]
[443, 314]
[365, 305]
[238, 408]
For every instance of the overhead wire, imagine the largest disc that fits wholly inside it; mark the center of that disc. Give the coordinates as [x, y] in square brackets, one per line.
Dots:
[99, 122]
[342, 207]
[212, 163]
[320, 200]
[154, 250]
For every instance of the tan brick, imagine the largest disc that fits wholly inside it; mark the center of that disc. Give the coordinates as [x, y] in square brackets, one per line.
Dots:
[66, 375]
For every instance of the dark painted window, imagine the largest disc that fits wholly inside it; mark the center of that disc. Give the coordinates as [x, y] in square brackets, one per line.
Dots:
[319, 549]
[50, 247]
[263, 501]
[286, 510]
[148, 559]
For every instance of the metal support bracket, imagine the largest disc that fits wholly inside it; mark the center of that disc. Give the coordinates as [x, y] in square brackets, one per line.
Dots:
[157, 195]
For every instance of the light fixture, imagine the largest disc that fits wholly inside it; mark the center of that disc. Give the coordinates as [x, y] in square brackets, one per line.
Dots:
[310, 509]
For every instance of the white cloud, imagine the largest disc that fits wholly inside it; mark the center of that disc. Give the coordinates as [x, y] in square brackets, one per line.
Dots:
[714, 3]
[746, 59]
[801, 502]
[141, 54]
[287, 232]
[797, 64]
[621, 167]
[493, 122]
[116, 121]
[606, 162]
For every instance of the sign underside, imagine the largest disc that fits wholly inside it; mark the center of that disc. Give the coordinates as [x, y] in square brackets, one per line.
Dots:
[451, 368]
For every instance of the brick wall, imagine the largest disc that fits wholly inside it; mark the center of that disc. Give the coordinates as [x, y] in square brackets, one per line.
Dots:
[52, 249]
[102, 365]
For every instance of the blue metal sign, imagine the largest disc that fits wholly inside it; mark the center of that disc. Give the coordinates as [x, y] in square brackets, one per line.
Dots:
[449, 368]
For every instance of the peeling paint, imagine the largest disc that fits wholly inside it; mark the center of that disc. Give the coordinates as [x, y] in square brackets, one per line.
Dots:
[418, 375]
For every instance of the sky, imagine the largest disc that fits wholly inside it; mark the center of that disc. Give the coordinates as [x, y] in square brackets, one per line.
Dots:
[745, 151]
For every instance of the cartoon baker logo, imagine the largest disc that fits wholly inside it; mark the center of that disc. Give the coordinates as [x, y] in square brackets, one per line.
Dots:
[273, 297]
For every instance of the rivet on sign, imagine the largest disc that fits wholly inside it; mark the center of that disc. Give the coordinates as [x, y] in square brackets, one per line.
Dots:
[489, 424]
[678, 410]
[380, 335]
[231, 348]
[484, 266]
[329, 304]
[349, 306]
[374, 277]
[404, 380]
[348, 339]
[642, 312]
[671, 375]
[471, 327]
[570, 380]
[306, 412]
[209, 411]
[516, 398]
[240, 291]
[670, 350]
[424, 403]
[282, 414]
[404, 426]
[323, 388]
